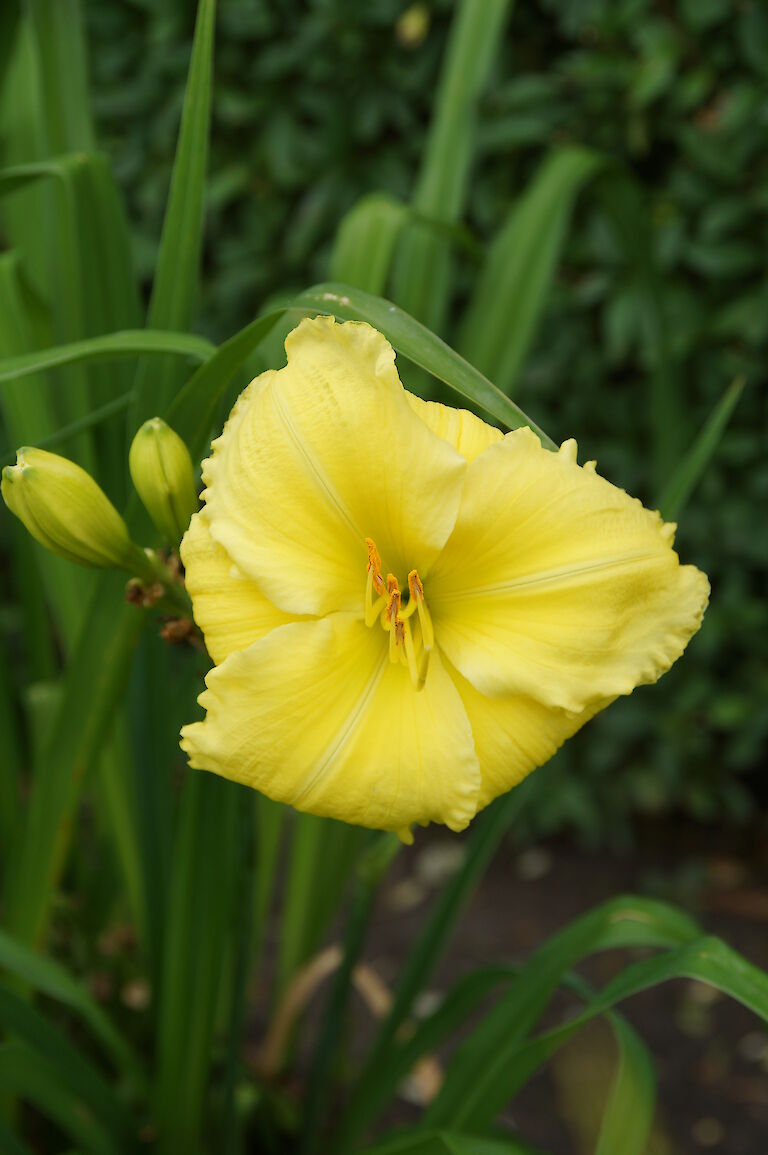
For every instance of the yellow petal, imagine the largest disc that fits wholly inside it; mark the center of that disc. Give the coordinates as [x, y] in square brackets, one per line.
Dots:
[229, 608]
[514, 734]
[319, 456]
[556, 584]
[315, 715]
[462, 429]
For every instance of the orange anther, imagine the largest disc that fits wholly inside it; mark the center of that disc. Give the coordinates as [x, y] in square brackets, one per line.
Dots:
[415, 587]
[393, 603]
[374, 565]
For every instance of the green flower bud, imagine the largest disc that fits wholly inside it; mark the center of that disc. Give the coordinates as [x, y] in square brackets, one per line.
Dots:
[162, 472]
[63, 507]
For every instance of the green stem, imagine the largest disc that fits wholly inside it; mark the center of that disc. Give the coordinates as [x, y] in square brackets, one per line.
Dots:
[149, 569]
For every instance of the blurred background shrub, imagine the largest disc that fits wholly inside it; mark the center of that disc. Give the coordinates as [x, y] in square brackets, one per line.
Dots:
[660, 300]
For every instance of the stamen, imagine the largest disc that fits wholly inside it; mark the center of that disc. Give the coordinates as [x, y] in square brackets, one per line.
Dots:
[394, 655]
[392, 611]
[418, 668]
[374, 566]
[416, 590]
[393, 619]
[374, 581]
[404, 647]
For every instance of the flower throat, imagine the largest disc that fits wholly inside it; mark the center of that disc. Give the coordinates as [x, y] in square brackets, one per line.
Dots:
[410, 641]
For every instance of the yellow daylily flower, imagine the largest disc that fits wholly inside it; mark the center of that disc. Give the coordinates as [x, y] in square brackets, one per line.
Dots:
[408, 610]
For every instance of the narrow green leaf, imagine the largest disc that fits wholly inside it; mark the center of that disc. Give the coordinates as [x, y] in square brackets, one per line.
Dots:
[422, 275]
[270, 822]
[511, 293]
[628, 1117]
[707, 960]
[20, 176]
[95, 678]
[316, 1101]
[131, 343]
[10, 1144]
[193, 409]
[467, 1097]
[365, 242]
[394, 1063]
[24, 1074]
[243, 935]
[626, 205]
[29, 414]
[47, 977]
[26, 216]
[174, 290]
[100, 293]
[108, 302]
[446, 1143]
[73, 1072]
[57, 26]
[62, 436]
[121, 820]
[689, 472]
[10, 13]
[321, 860]
[199, 921]
[10, 775]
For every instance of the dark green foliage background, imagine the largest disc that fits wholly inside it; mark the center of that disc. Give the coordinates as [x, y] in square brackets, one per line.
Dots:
[317, 103]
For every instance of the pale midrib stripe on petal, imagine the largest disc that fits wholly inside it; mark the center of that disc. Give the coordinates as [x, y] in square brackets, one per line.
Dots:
[313, 467]
[330, 755]
[548, 577]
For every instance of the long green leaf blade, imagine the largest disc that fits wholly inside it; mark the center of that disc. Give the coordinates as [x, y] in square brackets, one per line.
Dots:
[628, 1117]
[47, 977]
[623, 921]
[511, 293]
[422, 274]
[707, 960]
[199, 922]
[130, 343]
[174, 290]
[74, 1073]
[24, 1074]
[691, 469]
[447, 1143]
[365, 242]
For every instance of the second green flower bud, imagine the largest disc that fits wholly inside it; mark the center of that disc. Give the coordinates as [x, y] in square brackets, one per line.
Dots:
[162, 472]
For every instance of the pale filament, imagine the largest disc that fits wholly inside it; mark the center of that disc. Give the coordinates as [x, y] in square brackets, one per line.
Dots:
[410, 643]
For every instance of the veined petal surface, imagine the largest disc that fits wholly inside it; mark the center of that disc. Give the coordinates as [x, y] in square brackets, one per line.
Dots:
[230, 609]
[316, 716]
[556, 584]
[319, 456]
